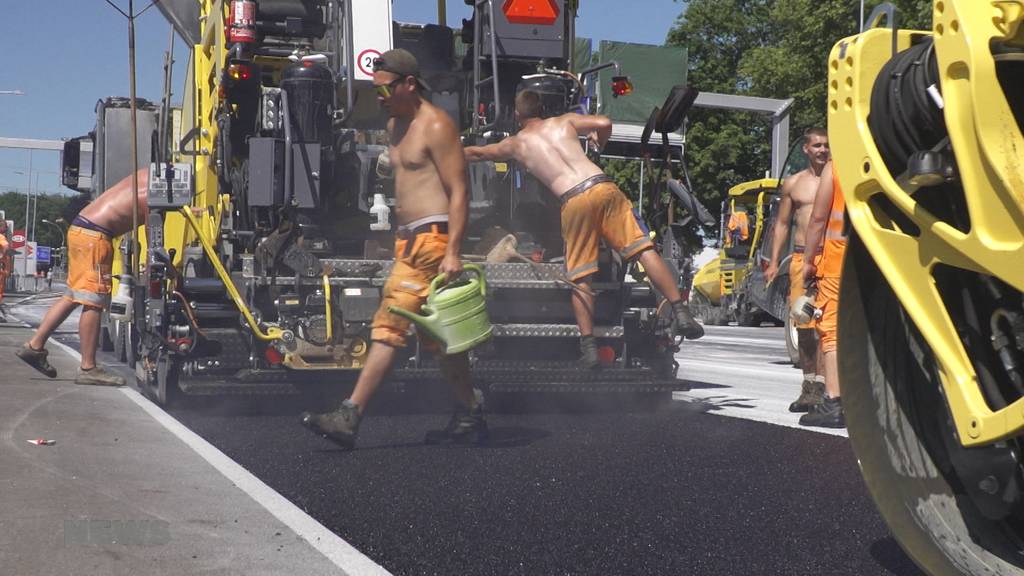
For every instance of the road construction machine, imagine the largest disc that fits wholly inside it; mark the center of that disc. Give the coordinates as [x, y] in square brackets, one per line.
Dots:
[732, 287]
[926, 132]
[724, 289]
[268, 238]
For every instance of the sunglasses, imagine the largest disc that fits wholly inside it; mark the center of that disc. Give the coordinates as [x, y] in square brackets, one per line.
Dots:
[386, 90]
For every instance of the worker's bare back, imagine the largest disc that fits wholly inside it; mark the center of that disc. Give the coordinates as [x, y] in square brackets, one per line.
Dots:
[802, 189]
[419, 189]
[113, 209]
[550, 150]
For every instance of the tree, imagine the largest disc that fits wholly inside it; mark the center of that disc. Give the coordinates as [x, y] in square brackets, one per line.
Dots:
[768, 48]
[48, 206]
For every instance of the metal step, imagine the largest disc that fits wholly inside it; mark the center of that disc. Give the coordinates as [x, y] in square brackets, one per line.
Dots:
[552, 330]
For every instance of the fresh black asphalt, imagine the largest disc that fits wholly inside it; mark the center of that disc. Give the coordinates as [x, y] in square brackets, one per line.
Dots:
[676, 490]
[669, 491]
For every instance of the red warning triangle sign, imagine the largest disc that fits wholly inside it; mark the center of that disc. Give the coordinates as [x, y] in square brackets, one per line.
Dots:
[543, 12]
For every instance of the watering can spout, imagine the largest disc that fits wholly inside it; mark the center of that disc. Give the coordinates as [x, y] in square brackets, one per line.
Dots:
[427, 323]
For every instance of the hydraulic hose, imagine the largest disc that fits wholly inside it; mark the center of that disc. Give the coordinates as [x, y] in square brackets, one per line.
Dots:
[904, 118]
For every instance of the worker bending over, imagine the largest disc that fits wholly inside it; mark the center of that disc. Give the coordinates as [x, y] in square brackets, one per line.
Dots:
[90, 256]
[593, 207]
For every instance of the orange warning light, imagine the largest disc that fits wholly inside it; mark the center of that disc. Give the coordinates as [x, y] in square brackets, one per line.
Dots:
[543, 12]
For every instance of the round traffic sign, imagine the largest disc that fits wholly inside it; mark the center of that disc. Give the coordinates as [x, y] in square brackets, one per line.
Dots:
[365, 60]
[18, 238]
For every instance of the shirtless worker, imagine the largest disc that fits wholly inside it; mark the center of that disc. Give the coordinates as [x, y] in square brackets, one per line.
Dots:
[826, 229]
[593, 207]
[432, 208]
[797, 199]
[90, 255]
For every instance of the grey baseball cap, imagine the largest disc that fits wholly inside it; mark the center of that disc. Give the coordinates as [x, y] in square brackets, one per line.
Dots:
[400, 61]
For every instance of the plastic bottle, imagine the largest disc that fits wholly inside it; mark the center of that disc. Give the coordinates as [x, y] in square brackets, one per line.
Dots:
[382, 212]
[121, 307]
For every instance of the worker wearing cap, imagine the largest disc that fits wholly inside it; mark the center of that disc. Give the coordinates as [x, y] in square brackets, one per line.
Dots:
[432, 208]
[593, 208]
[90, 256]
[826, 229]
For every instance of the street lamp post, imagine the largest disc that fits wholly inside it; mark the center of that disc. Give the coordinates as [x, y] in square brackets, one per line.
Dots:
[60, 232]
[35, 208]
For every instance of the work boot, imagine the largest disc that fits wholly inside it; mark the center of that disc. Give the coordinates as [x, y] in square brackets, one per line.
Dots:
[828, 414]
[811, 394]
[37, 359]
[588, 354]
[98, 376]
[465, 427]
[686, 326]
[340, 426]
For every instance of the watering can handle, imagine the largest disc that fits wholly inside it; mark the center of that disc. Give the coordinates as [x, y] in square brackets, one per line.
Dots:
[441, 278]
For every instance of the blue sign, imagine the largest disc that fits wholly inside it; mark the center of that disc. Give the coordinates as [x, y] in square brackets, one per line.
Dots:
[42, 253]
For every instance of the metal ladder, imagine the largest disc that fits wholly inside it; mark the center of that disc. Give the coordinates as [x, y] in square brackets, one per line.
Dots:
[478, 28]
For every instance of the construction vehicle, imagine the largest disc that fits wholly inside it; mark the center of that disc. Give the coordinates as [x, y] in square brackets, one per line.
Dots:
[732, 287]
[723, 288]
[926, 133]
[261, 260]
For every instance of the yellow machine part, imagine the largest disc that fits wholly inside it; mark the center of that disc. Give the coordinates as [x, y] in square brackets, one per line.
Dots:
[727, 271]
[755, 194]
[730, 276]
[981, 126]
[200, 223]
[707, 281]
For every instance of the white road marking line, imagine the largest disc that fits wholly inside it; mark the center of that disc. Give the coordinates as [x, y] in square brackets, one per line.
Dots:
[341, 553]
[746, 387]
[748, 408]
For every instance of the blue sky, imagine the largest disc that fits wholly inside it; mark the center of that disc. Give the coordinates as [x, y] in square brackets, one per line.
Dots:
[68, 54]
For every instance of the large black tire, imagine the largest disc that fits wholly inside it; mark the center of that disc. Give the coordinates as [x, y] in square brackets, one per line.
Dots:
[749, 316]
[792, 342]
[117, 334]
[131, 343]
[700, 306]
[899, 427]
[720, 316]
[161, 384]
[106, 333]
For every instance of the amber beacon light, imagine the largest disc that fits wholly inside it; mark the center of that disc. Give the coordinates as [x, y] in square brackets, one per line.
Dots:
[543, 12]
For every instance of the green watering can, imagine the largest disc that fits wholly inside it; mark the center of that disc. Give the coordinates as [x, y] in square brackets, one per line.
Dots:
[455, 314]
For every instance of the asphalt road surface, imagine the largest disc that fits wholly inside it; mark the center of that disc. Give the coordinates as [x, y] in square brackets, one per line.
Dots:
[716, 481]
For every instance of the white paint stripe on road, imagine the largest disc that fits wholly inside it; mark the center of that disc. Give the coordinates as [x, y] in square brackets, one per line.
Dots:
[717, 366]
[746, 408]
[718, 339]
[341, 553]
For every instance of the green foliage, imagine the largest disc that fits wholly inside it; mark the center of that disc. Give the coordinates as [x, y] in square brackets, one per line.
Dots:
[626, 174]
[49, 207]
[767, 48]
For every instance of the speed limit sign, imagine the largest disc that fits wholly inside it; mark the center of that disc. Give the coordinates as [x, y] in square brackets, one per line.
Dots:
[371, 35]
[365, 60]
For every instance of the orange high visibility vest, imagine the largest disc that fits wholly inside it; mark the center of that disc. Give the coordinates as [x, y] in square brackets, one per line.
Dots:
[739, 221]
[831, 265]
